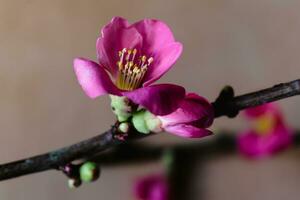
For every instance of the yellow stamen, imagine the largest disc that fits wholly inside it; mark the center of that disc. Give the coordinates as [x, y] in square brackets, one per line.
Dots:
[131, 70]
[264, 125]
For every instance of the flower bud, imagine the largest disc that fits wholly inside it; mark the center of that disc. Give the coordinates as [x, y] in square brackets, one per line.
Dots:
[121, 107]
[124, 127]
[145, 122]
[89, 172]
[153, 123]
[74, 183]
[139, 122]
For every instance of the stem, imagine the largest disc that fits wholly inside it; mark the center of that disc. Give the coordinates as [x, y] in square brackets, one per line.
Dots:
[228, 105]
[225, 105]
[54, 159]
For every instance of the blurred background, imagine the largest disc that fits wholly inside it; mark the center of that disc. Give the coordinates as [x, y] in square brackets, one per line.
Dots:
[247, 44]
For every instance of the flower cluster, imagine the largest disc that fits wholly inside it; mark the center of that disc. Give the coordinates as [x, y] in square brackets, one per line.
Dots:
[269, 134]
[131, 57]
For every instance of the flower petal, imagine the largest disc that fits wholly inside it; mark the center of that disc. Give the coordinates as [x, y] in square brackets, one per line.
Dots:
[187, 131]
[114, 37]
[156, 35]
[161, 99]
[258, 111]
[152, 187]
[93, 79]
[193, 108]
[254, 145]
[163, 61]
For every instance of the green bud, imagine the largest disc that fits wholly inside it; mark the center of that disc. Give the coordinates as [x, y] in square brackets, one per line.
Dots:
[124, 127]
[145, 122]
[74, 183]
[153, 123]
[120, 107]
[138, 121]
[89, 172]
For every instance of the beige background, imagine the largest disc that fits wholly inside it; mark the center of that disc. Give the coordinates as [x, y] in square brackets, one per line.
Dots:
[247, 44]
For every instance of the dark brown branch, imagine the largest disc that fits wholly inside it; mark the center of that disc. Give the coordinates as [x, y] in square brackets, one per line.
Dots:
[225, 105]
[228, 105]
[59, 157]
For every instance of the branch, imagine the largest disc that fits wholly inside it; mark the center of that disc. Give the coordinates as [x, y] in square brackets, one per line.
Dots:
[225, 105]
[228, 105]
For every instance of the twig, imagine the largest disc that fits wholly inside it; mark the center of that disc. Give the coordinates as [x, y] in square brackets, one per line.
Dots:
[228, 105]
[225, 105]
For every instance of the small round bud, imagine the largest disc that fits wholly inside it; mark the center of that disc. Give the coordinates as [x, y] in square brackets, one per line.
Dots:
[145, 122]
[89, 172]
[153, 123]
[74, 183]
[121, 107]
[124, 127]
[139, 122]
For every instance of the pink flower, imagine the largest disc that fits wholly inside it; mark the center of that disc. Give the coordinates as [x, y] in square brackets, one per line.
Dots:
[130, 58]
[269, 135]
[191, 119]
[152, 187]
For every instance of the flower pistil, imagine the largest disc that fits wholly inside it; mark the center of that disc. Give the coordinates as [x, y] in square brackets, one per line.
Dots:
[265, 124]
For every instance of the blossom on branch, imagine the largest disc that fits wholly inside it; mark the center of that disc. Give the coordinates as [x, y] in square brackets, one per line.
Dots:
[191, 119]
[269, 135]
[130, 58]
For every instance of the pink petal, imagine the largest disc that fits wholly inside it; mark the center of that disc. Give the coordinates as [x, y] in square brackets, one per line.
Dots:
[261, 110]
[192, 108]
[159, 99]
[254, 145]
[153, 187]
[114, 37]
[187, 131]
[93, 78]
[156, 35]
[163, 61]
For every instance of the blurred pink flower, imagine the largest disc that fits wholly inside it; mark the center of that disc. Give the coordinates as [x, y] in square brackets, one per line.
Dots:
[269, 135]
[153, 187]
[191, 119]
[130, 58]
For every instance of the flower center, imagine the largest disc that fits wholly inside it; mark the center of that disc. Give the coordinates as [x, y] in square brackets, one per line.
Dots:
[264, 125]
[131, 69]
